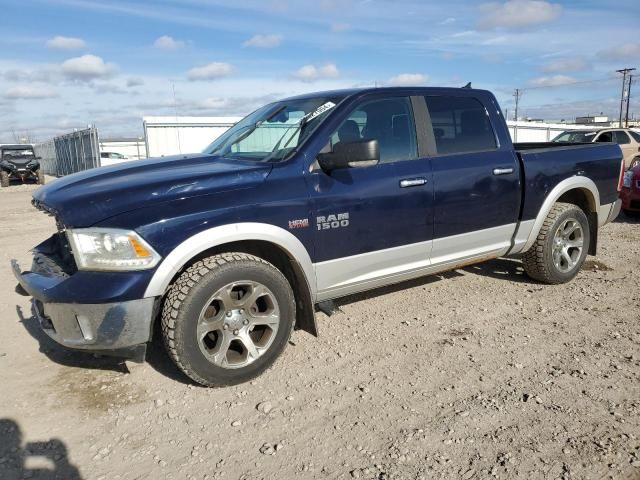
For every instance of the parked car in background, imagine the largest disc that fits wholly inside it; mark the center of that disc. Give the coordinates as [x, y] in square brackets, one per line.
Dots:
[306, 200]
[112, 158]
[628, 140]
[19, 162]
[630, 193]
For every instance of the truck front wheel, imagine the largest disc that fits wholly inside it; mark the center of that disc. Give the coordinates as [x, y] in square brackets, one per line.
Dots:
[227, 318]
[561, 247]
[4, 179]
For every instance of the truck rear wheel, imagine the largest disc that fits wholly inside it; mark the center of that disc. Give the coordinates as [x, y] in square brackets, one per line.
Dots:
[561, 247]
[227, 318]
[4, 179]
[40, 177]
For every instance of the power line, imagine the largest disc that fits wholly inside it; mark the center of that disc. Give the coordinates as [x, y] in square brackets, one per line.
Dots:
[626, 116]
[624, 72]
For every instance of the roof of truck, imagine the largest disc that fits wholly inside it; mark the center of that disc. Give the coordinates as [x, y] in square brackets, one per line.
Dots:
[16, 146]
[347, 92]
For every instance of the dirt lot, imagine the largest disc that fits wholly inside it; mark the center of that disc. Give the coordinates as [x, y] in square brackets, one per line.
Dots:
[478, 373]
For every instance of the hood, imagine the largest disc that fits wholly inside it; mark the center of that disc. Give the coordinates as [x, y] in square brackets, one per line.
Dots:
[85, 198]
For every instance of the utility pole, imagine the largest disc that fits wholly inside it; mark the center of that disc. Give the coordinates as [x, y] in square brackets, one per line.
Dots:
[626, 115]
[517, 97]
[624, 72]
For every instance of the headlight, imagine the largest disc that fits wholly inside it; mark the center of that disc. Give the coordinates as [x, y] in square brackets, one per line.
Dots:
[111, 249]
[626, 180]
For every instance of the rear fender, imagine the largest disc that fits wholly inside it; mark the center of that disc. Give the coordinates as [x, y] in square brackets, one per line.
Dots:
[584, 184]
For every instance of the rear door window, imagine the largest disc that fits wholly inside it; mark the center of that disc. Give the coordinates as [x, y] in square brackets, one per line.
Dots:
[621, 137]
[460, 125]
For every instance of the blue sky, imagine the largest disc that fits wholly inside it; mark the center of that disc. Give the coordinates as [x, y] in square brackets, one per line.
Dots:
[68, 63]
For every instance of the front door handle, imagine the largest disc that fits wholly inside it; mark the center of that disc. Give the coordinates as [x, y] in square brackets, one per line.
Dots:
[502, 171]
[412, 182]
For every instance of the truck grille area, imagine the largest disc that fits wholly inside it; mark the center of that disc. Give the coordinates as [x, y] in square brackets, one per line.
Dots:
[53, 257]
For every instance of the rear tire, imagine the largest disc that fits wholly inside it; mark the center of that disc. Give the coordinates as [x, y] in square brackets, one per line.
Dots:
[40, 176]
[4, 179]
[227, 318]
[561, 247]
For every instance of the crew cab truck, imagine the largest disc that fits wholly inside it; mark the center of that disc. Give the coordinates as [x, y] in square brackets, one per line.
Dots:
[303, 201]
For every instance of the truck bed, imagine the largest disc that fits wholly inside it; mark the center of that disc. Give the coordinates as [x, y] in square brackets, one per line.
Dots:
[544, 165]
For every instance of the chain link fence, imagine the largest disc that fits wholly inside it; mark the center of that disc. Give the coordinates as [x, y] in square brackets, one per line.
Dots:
[70, 153]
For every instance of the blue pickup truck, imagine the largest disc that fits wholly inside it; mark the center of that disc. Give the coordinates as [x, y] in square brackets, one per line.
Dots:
[223, 253]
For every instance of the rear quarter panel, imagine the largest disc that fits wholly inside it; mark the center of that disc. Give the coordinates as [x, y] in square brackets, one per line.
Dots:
[543, 169]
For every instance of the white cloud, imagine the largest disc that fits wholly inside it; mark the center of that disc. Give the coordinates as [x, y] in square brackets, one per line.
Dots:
[26, 92]
[311, 73]
[135, 82]
[211, 71]
[214, 103]
[408, 79]
[627, 51]
[87, 67]
[264, 41]
[552, 81]
[448, 21]
[101, 88]
[166, 42]
[515, 14]
[66, 43]
[566, 65]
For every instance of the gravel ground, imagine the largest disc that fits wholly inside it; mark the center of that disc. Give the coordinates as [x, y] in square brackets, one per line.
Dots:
[476, 373]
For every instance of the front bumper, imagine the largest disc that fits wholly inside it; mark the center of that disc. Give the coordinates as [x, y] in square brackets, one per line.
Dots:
[118, 328]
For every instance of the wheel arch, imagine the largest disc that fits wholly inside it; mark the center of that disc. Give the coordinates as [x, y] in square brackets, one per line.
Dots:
[274, 244]
[580, 191]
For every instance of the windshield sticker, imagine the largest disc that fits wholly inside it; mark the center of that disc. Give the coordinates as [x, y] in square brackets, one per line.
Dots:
[318, 111]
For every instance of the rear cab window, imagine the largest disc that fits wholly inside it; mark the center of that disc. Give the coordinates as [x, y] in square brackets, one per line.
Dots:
[460, 125]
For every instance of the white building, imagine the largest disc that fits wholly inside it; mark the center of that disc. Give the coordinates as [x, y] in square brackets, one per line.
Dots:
[173, 135]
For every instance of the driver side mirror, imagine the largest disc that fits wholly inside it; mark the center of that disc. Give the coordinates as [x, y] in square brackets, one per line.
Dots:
[362, 153]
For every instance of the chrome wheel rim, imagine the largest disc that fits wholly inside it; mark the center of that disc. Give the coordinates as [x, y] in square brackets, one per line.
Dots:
[238, 324]
[568, 243]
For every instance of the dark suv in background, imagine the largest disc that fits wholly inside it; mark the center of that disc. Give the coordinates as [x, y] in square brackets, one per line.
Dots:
[19, 162]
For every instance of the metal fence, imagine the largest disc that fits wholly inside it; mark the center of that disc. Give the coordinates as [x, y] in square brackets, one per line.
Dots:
[47, 153]
[70, 153]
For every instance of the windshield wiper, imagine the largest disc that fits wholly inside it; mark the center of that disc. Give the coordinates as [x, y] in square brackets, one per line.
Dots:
[276, 149]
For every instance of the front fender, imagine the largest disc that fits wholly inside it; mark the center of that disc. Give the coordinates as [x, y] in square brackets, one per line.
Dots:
[217, 236]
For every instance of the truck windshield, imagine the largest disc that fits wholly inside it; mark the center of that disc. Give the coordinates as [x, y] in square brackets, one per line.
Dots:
[17, 152]
[272, 132]
[575, 137]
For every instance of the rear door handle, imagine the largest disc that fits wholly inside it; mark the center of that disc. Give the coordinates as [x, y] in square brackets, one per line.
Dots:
[502, 171]
[412, 182]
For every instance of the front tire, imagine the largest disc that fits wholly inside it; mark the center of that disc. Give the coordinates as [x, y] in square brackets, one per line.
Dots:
[561, 247]
[4, 179]
[40, 176]
[227, 318]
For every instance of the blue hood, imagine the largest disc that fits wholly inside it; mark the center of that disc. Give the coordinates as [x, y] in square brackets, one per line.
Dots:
[88, 197]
